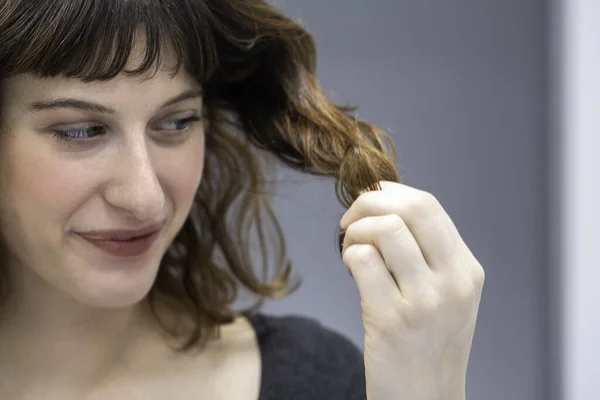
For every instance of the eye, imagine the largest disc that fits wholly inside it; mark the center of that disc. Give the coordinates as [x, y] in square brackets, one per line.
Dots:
[78, 133]
[181, 125]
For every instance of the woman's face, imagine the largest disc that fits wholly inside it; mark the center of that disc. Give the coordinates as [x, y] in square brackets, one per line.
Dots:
[138, 164]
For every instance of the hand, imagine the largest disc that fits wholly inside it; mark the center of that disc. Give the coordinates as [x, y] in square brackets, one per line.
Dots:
[420, 288]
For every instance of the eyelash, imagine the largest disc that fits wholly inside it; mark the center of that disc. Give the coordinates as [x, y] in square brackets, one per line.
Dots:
[72, 134]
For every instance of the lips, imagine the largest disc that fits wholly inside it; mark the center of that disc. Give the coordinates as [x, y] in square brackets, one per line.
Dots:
[119, 239]
[122, 234]
[125, 248]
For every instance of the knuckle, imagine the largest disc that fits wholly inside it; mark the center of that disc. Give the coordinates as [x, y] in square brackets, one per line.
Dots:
[351, 229]
[430, 303]
[362, 200]
[420, 315]
[463, 291]
[361, 254]
[386, 323]
[428, 198]
[393, 223]
[479, 275]
[347, 255]
[389, 326]
[424, 203]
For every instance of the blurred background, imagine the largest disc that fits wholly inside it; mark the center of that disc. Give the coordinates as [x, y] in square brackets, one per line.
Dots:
[492, 106]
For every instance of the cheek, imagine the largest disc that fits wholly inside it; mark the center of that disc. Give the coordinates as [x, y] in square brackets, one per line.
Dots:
[41, 188]
[39, 193]
[183, 174]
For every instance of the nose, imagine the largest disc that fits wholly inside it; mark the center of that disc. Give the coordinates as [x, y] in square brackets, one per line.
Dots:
[136, 188]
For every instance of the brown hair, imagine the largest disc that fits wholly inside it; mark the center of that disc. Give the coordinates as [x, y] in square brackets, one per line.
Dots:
[262, 99]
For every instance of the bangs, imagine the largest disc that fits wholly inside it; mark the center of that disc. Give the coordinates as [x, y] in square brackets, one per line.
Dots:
[93, 39]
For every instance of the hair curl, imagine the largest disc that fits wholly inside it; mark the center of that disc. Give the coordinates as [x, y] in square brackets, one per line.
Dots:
[262, 103]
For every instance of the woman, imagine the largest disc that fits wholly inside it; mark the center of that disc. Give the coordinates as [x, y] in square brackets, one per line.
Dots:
[136, 136]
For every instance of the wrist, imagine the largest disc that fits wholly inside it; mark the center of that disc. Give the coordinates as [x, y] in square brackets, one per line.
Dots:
[420, 383]
[454, 379]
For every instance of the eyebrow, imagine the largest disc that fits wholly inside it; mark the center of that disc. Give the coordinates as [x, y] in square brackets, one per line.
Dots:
[99, 108]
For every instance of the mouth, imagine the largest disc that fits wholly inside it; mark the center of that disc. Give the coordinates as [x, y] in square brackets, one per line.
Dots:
[126, 240]
[123, 234]
[124, 248]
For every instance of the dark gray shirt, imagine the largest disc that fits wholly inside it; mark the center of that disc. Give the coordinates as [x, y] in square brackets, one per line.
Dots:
[303, 360]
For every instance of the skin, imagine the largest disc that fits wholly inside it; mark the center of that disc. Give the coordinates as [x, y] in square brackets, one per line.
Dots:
[73, 305]
[79, 309]
[420, 289]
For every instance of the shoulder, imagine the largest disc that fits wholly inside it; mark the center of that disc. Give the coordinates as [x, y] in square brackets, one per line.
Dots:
[301, 358]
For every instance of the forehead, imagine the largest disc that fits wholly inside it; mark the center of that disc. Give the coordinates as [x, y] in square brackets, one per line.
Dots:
[27, 87]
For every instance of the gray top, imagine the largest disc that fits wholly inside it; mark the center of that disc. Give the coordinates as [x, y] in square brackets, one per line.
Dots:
[303, 360]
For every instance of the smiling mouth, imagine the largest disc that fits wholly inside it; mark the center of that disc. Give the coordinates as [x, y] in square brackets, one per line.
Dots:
[131, 239]
[125, 248]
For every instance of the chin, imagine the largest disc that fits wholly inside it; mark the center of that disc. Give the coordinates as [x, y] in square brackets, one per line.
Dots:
[114, 299]
[113, 288]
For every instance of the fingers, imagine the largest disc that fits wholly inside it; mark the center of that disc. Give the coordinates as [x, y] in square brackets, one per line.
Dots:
[430, 225]
[376, 285]
[398, 249]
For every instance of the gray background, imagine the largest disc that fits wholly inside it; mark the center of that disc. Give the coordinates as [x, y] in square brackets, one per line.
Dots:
[461, 86]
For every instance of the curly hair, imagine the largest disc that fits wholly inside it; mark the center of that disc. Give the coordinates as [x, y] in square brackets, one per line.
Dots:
[263, 104]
